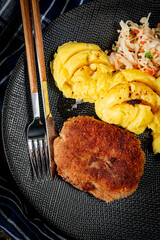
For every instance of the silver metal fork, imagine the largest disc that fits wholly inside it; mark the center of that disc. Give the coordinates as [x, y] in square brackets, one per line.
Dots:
[37, 143]
[36, 132]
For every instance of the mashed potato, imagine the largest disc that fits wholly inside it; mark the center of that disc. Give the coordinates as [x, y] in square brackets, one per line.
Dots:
[81, 71]
[130, 75]
[155, 126]
[133, 102]
[129, 98]
[130, 105]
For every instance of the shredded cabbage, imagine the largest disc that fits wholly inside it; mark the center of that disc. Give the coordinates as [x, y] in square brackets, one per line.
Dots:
[138, 46]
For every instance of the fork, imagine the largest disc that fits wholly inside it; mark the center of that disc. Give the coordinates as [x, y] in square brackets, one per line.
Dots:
[37, 143]
[36, 132]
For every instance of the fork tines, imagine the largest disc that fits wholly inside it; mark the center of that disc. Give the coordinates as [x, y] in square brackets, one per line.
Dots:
[38, 153]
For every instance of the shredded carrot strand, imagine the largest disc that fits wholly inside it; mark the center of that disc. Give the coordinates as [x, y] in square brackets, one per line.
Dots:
[141, 50]
[136, 66]
[118, 60]
[136, 31]
[142, 42]
[152, 72]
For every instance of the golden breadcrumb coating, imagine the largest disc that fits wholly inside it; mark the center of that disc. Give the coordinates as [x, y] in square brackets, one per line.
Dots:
[99, 158]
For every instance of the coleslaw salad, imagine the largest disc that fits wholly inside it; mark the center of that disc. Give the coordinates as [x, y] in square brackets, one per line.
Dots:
[138, 47]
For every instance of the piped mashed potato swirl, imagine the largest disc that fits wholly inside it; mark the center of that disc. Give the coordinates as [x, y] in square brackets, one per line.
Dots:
[133, 106]
[81, 71]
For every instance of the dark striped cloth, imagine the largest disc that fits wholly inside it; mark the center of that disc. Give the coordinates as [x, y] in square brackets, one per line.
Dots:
[17, 218]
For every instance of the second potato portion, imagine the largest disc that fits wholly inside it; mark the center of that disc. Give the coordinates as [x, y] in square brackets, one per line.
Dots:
[82, 71]
[130, 105]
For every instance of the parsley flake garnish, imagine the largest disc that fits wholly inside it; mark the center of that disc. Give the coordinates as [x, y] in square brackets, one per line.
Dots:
[148, 55]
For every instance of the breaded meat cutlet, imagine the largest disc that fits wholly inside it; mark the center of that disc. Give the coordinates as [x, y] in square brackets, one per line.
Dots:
[99, 158]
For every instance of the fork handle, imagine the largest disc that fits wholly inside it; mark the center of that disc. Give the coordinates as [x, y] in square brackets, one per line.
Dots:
[40, 53]
[27, 28]
[39, 39]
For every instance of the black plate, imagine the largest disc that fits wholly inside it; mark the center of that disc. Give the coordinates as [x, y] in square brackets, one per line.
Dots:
[76, 213]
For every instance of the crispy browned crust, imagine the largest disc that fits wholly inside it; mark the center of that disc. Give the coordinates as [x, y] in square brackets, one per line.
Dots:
[99, 158]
